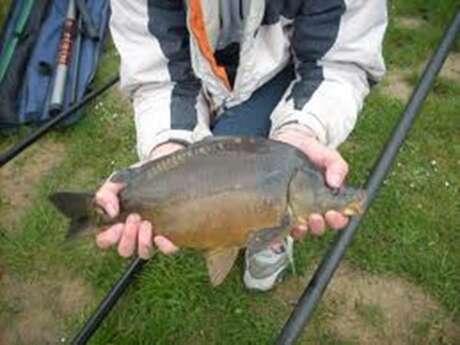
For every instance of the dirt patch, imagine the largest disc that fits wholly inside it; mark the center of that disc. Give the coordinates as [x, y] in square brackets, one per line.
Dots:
[395, 85]
[35, 309]
[18, 178]
[412, 23]
[378, 310]
[451, 68]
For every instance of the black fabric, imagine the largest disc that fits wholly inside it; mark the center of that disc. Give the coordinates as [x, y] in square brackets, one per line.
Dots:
[276, 8]
[229, 57]
[315, 31]
[167, 22]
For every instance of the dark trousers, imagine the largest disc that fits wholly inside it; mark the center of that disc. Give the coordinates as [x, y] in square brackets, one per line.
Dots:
[252, 118]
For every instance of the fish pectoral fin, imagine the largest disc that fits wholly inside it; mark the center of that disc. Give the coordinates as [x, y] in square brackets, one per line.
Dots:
[220, 261]
[261, 239]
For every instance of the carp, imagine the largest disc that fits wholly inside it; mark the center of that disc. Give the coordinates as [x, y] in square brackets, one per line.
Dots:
[218, 196]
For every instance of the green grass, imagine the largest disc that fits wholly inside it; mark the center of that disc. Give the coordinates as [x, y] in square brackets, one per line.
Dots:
[411, 231]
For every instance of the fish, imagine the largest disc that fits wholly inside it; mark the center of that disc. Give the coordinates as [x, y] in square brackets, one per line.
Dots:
[218, 196]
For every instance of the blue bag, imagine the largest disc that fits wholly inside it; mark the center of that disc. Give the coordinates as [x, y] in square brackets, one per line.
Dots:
[32, 106]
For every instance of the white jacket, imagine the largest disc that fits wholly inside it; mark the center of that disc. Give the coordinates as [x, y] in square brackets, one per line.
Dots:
[168, 65]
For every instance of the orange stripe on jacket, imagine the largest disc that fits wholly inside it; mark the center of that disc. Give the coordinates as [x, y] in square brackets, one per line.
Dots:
[199, 31]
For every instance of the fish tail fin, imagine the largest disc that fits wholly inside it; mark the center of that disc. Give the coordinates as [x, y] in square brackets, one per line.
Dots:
[75, 206]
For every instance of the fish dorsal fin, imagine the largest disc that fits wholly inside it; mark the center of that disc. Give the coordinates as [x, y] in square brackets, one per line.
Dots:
[220, 261]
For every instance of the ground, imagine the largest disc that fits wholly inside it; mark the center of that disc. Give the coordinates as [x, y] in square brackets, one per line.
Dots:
[400, 283]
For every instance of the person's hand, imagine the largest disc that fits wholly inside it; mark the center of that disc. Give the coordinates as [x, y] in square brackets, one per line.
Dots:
[335, 170]
[135, 235]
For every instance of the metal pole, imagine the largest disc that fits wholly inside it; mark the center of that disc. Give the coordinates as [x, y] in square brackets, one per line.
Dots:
[108, 302]
[307, 303]
[12, 152]
[64, 59]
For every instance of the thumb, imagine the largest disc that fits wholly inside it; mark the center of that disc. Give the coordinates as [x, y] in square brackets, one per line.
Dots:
[336, 171]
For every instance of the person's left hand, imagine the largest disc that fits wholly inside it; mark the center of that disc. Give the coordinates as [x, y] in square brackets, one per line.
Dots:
[330, 162]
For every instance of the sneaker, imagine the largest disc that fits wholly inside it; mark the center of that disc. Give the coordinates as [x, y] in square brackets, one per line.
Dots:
[265, 268]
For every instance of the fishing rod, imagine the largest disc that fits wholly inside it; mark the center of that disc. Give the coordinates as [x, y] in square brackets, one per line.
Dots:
[76, 62]
[307, 303]
[64, 59]
[85, 26]
[16, 149]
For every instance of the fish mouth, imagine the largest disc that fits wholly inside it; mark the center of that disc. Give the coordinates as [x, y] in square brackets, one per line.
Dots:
[356, 207]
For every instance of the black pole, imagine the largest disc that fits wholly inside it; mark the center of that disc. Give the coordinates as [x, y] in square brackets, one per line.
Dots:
[314, 291]
[108, 302]
[75, 66]
[16, 149]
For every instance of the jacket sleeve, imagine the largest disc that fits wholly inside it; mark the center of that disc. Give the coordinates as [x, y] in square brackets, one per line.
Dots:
[153, 43]
[337, 48]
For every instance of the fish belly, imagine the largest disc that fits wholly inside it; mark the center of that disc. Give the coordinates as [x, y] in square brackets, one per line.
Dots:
[225, 219]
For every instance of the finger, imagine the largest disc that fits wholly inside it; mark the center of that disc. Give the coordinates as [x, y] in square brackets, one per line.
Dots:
[145, 240]
[316, 224]
[330, 160]
[336, 220]
[300, 231]
[128, 239]
[165, 245]
[110, 236]
[336, 170]
[113, 187]
[106, 197]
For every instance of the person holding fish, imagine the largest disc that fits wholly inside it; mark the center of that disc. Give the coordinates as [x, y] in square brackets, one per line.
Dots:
[295, 71]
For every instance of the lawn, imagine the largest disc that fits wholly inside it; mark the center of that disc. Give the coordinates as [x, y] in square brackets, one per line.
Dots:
[400, 283]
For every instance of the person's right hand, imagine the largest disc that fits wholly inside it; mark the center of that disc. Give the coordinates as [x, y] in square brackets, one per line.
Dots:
[135, 235]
